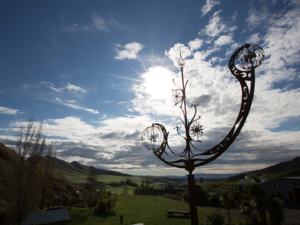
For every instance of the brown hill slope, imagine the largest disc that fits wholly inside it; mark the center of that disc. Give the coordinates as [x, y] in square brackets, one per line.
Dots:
[8, 158]
[282, 166]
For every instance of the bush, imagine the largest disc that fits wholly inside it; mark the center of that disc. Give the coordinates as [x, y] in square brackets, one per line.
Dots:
[103, 205]
[80, 206]
[113, 212]
[214, 200]
[217, 218]
[202, 197]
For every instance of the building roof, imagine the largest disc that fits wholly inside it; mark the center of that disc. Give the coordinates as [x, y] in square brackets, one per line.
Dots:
[251, 181]
[284, 178]
[48, 216]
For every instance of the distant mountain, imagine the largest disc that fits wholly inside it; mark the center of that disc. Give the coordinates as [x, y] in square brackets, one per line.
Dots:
[208, 176]
[277, 168]
[64, 168]
[98, 171]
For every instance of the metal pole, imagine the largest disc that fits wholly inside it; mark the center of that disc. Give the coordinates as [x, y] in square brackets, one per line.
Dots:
[193, 203]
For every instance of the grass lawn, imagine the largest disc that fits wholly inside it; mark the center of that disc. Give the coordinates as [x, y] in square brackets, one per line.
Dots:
[138, 209]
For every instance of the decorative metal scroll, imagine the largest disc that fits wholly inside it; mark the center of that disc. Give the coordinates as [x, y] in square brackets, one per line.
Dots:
[241, 64]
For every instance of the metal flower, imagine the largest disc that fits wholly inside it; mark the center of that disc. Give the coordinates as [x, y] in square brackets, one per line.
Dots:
[177, 96]
[196, 130]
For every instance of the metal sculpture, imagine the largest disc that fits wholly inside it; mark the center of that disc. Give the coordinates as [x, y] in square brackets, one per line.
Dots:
[155, 138]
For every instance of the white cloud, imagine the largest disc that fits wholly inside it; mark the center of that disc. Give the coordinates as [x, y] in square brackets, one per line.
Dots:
[281, 43]
[5, 110]
[173, 53]
[215, 26]
[195, 44]
[130, 51]
[253, 39]
[75, 89]
[224, 40]
[209, 5]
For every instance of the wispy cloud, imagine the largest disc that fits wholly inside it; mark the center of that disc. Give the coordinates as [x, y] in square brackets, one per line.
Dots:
[75, 89]
[68, 104]
[97, 23]
[254, 38]
[129, 51]
[5, 110]
[209, 5]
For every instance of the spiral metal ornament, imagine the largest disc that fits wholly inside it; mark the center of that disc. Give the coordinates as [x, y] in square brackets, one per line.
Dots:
[249, 57]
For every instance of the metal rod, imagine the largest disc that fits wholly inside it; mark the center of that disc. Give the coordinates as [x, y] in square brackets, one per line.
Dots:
[193, 203]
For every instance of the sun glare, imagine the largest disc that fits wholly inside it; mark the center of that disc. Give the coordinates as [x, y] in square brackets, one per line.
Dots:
[158, 82]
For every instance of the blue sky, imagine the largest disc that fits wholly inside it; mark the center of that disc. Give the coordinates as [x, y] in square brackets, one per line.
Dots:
[100, 72]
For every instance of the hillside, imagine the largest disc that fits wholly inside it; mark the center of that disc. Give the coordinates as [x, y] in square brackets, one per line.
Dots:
[8, 159]
[282, 166]
[74, 167]
[282, 169]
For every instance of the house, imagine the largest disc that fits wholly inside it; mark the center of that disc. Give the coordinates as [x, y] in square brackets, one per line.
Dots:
[246, 182]
[287, 189]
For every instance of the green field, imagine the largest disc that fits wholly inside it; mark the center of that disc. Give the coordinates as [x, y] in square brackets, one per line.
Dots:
[138, 209]
[225, 184]
[80, 179]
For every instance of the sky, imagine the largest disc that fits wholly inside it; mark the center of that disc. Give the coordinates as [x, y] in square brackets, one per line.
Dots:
[99, 72]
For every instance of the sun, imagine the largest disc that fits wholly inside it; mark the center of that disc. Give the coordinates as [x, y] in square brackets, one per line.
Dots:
[158, 82]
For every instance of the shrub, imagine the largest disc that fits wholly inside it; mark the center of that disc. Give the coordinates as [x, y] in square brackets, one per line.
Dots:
[113, 212]
[217, 218]
[80, 206]
[214, 200]
[103, 205]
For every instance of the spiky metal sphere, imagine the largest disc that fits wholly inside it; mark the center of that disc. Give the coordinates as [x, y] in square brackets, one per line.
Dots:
[196, 131]
[249, 57]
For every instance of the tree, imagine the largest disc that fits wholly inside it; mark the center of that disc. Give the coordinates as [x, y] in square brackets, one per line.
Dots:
[201, 180]
[30, 146]
[226, 200]
[47, 170]
[257, 194]
[91, 178]
[125, 189]
[246, 209]
[276, 211]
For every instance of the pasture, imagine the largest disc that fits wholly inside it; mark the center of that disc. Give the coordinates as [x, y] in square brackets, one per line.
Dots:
[138, 209]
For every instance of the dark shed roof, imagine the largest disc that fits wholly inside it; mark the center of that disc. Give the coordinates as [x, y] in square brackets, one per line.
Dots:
[283, 178]
[48, 216]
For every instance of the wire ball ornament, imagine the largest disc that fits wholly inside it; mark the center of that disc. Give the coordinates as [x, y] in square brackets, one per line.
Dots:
[241, 65]
[249, 57]
[152, 137]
